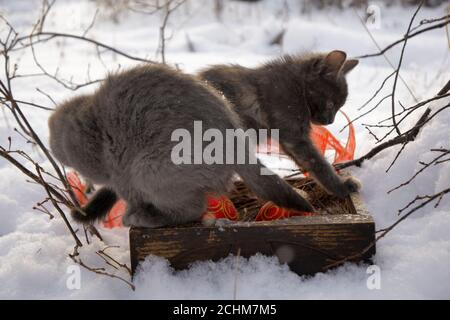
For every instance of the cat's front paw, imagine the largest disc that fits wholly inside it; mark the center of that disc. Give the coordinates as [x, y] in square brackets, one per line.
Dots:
[349, 185]
[352, 185]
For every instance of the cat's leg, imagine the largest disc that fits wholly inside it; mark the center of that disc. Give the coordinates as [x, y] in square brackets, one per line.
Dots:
[190, 209]
[269, 186]
[307, 156]
[144, 215]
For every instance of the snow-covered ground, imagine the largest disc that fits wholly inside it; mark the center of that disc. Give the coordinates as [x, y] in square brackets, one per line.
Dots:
[414, 259]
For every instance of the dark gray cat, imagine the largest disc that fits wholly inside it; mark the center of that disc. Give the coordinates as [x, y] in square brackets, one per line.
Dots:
[289, 94]
[120, 137]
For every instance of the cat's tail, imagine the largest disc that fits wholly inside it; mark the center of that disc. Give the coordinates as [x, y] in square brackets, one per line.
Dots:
[97, 208]
[270, 187]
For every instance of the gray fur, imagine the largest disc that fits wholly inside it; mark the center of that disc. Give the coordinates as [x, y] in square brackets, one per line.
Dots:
[289, 94]
[120, 137]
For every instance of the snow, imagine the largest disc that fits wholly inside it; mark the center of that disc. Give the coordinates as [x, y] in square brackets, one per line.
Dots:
[413, 259]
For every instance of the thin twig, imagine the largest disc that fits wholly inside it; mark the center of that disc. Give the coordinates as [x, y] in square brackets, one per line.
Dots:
[408, 36]
[410, 135]
[397, 71]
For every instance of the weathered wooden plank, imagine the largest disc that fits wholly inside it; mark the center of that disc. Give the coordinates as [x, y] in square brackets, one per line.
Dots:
[307, 247]
[306, 244]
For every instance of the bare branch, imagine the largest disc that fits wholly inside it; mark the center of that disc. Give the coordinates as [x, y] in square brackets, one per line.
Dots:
[101, 271]
[408, 36]
[53, 35]
[397, 71]
[407, 136]
[56, 205]
[435, 161]
[162, 29]
[428, 198]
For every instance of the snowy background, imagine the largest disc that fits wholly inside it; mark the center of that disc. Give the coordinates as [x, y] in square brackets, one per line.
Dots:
[414, 259]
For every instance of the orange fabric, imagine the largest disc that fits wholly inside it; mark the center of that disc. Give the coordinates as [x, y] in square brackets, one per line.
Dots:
[77, 187]
[219, 207]
[114, 218]
[270, 211]
[324, 140]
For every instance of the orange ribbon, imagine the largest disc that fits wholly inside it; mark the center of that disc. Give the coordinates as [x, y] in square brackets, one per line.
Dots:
[270, 211]
[324, 140]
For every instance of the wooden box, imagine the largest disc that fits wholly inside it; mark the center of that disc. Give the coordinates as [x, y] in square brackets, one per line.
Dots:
[307, 244]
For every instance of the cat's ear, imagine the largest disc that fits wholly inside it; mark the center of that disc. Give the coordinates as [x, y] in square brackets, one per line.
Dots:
[334, 61]
[349, 65]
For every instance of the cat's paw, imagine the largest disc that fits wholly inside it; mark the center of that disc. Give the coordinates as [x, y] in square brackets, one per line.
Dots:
[128, 220]
[349, 185]
[287, 197]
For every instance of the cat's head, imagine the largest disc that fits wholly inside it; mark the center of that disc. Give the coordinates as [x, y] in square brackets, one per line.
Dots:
[76, 139]
[326, 86]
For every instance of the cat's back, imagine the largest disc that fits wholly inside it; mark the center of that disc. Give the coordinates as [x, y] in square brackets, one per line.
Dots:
[147, 80]
[140, 109]
[225, 78]
[234, 81]
[154, 92]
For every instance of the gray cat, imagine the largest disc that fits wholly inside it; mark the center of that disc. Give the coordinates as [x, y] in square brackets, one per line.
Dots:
[120, 137]
[290, 93]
